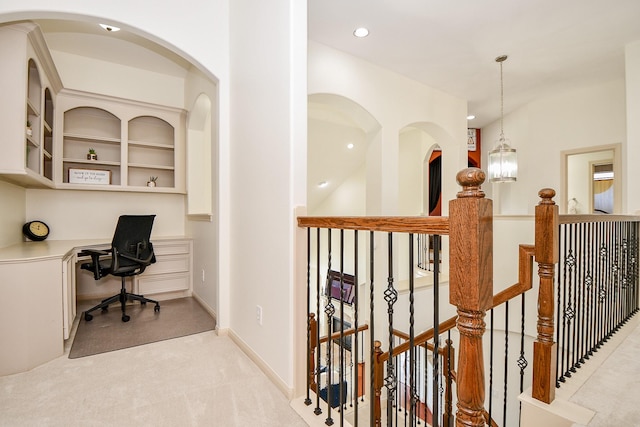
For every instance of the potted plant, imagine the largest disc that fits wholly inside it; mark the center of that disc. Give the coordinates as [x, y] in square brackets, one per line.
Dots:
[92, 154]
[152, 181]
[29, 130]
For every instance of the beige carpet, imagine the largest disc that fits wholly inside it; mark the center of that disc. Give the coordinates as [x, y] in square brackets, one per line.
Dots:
[107, 332]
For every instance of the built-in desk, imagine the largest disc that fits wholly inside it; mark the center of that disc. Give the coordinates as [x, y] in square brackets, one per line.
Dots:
[38, 293]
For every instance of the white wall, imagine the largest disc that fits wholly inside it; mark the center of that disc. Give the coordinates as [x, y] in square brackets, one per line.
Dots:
[394, 102]
[12, 213]
[631, 151]
[346, 200]
[268, 169]
[541, 130]
[205, 233]
[108, 78]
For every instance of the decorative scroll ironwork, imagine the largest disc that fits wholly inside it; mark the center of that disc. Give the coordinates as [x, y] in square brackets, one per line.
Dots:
[597, 290]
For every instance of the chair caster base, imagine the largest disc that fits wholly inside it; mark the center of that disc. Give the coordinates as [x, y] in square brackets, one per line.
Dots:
[88, 317]
[125, 318]
[156, 308]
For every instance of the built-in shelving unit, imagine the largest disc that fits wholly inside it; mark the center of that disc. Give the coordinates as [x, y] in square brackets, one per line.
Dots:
[90, 128]
[139, 145]
[48, 130]
[29, 84]
[151, 152]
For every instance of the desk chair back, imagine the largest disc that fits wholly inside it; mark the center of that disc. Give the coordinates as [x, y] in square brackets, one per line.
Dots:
[131, 246]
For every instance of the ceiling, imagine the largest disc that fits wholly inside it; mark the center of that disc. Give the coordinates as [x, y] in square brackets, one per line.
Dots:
[122, 47]
[452, 45]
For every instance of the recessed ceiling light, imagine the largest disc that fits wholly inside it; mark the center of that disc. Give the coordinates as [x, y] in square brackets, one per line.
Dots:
[361, 32]
[323, 184]
[471, 117]
[110, 28]
[349, 146]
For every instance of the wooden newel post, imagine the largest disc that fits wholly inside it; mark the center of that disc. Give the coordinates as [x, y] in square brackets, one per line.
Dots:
[471, 289]
[544, 349]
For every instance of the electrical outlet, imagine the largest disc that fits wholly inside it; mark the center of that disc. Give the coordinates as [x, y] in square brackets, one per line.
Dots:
[259, 315]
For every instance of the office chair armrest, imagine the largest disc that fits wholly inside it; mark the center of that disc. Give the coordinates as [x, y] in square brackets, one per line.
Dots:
[95, 255]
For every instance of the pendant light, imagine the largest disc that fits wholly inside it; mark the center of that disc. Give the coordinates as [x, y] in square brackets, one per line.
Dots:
[503, 160]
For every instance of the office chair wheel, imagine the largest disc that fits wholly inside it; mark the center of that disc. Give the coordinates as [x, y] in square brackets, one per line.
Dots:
[88, 317]
[125, 318]
[143, 303]
[156, 308]
[105, 308]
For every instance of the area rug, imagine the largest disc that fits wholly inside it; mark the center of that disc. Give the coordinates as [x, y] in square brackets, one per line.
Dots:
[107, 332]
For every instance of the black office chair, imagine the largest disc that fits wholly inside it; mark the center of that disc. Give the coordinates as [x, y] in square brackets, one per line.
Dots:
[130, 254]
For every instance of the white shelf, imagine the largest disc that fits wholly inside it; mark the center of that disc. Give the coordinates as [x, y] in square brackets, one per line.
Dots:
[32, 141]
[150, 145]
[91, 162]
[144, 166]
[32, 109]
[90, 138]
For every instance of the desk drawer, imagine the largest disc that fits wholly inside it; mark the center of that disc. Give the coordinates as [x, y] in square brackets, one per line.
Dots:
[148, 285]
[168, 264]
[171, 248]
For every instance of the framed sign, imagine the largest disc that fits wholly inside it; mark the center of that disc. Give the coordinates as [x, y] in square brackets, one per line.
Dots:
[89, 176]
[471, 140]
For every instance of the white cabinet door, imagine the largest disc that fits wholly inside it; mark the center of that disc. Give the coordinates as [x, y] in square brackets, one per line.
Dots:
[68, 293]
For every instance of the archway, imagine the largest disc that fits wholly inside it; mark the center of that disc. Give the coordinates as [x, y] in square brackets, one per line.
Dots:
[340, 137]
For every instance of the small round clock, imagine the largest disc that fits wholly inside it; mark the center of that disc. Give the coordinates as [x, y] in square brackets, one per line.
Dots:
[35, 230]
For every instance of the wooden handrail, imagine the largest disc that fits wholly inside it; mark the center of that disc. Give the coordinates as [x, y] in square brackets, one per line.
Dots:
[419, 339]
[392, 224]
[579, 219]
[346, 332]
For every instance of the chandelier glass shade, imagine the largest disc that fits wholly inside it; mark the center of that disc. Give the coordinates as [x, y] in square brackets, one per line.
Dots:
[503, 160]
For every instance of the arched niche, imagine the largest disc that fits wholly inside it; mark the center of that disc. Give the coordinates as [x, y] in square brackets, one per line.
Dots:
[340, 135]
[199, 149]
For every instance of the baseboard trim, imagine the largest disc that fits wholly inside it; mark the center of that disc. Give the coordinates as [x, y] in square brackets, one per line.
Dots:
[270, 373]
[206, 306]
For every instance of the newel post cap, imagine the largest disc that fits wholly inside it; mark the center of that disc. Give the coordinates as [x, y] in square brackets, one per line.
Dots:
[470, 179]
[547, 195]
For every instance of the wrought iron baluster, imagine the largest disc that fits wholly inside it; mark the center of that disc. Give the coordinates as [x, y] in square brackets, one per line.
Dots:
[580, 297]
[522, 361]
[491, 363]
[412, 354]
[341, 391]
[390, 296]
[436, 328]
[372, 353]
[329, 311]
[308, 401]
[506, 362]
[318, 410]
[558, 319]
[356, 339]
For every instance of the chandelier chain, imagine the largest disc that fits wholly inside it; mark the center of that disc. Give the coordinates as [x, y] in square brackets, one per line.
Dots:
[501, 104]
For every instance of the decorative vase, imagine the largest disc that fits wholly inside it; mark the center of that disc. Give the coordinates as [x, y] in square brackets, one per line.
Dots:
[29, 132]
[92, 156]
[151, 184]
